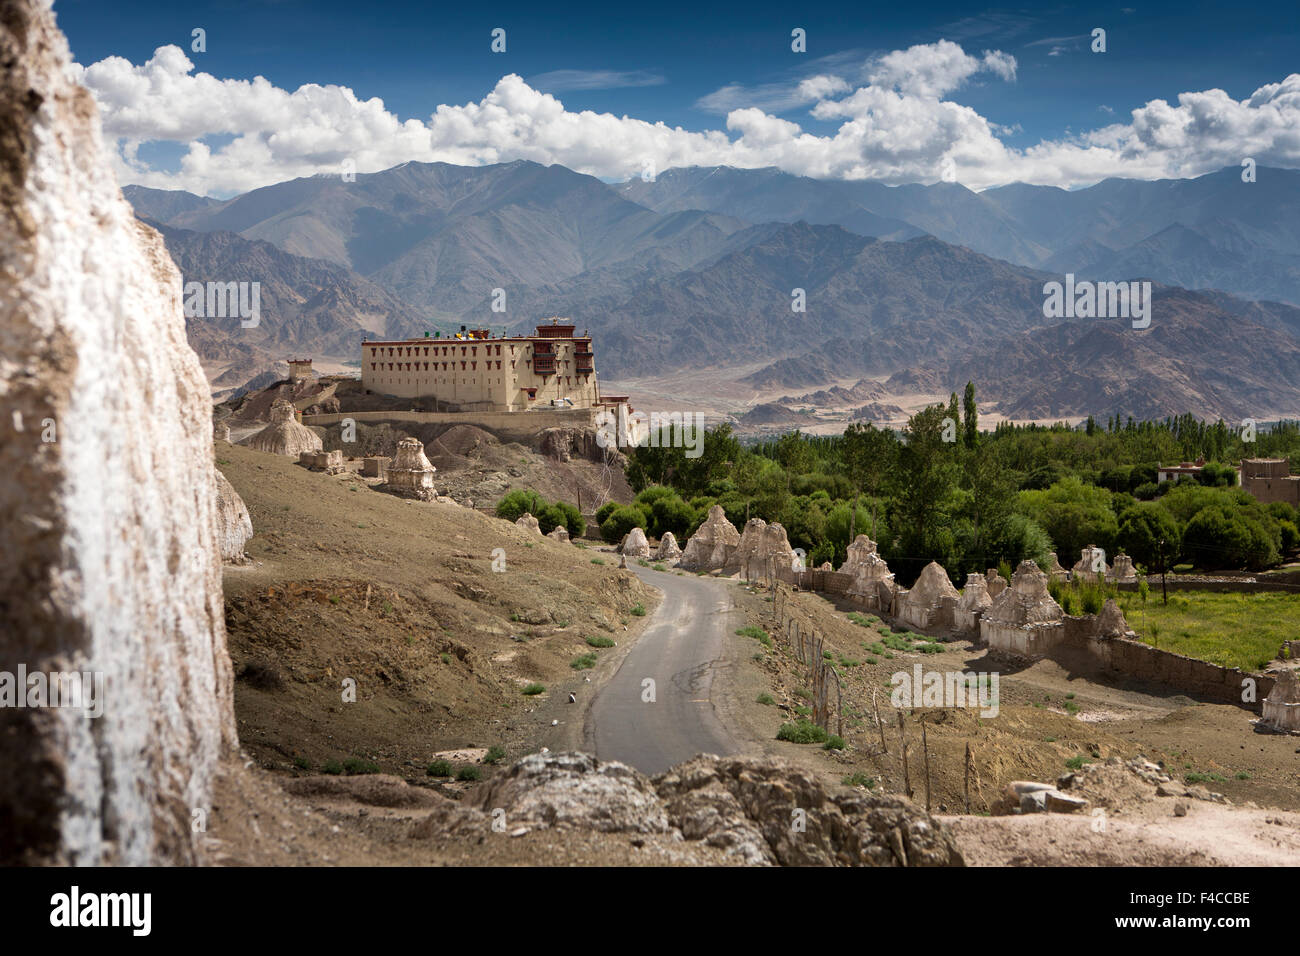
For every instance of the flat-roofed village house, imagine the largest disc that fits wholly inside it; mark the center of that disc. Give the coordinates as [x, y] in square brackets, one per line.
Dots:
[1270, 479]
[1186, 469]
[475, 371]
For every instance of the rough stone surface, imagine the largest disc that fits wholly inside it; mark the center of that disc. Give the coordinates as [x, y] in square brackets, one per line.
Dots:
[567, 442]
[873, 582]
[931, 601]
[576, 791]
[635, 544]
[857, 552]
[559, 533]
[1023, 619]
[747, 805]
[1058, 802]
[744, 806]
[1122, 572]
[1027, 601]
[528, 523]
[759, 543]
[1091, 565]
[285, 435]
[330, 462]
[1054, 571]
[975, 600]
[975, 597]
[1111, 623]
[234, 526]
[109, 534]
[1281, 709]
[711, 547]
[410, 473]
[996, 582]
[221, 432]
[1027, 796]
[668, 550]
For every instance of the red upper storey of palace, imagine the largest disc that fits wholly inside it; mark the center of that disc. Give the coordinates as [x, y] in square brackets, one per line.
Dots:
[555, 330]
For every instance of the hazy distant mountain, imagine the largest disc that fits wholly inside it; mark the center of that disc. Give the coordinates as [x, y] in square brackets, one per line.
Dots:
[862, 392]
[308, 306]
[871, 306]
[161, 205]
[1214, 231]
[936, 316]
[443, 237]
[1121, 212]
[1214, 255]
[948, 211]
[1196, 356]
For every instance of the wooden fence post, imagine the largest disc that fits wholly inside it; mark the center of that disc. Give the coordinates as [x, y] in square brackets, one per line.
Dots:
[925, 749]
[875, 707]
[967, 775]
[839, 704]
[902, 747]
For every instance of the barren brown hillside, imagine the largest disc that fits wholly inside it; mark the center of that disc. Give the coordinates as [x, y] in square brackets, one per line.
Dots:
[400, 596]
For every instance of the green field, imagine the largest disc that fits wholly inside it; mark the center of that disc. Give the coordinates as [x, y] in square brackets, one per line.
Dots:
[1233, 630]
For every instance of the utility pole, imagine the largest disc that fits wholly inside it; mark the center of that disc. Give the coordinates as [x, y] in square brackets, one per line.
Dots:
[1164, 591]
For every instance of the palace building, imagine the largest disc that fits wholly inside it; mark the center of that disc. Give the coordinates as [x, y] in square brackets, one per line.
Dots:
[475, 371]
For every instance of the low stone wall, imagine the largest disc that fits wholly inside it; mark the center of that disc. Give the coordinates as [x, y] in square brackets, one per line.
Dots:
[1037, 640]
[1137, 661]
[967, 623]
[522, 427]
[828, 582]
[927, 618]
[1074, 641]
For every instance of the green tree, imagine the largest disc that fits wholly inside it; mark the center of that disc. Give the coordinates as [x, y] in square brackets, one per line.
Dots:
[761, 482]
[519, 502]
[836, 534]
[926, 480]
[870, 457]
[672, 514]
[1075, 514]
[620, 521]
[970, 424]
[987, 504]
[1142, 528]
[794, 454]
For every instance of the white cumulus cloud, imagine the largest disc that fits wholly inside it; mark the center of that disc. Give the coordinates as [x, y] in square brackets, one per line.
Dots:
[900, 122]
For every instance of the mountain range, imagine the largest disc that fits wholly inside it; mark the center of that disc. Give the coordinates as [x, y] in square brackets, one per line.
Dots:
[1212, 232]
[919, 287]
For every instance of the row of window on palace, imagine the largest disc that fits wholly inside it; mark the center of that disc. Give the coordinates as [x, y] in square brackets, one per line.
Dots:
[412, 351]
[568, 381]
[443, 366]
[421, 350]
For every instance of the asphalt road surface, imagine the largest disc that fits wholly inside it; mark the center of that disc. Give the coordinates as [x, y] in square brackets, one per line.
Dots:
[681, 651]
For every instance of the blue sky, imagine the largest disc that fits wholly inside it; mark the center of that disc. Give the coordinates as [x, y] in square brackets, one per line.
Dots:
[687, 66]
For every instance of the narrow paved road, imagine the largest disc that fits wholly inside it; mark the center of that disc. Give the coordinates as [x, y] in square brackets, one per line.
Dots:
[681, 650]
